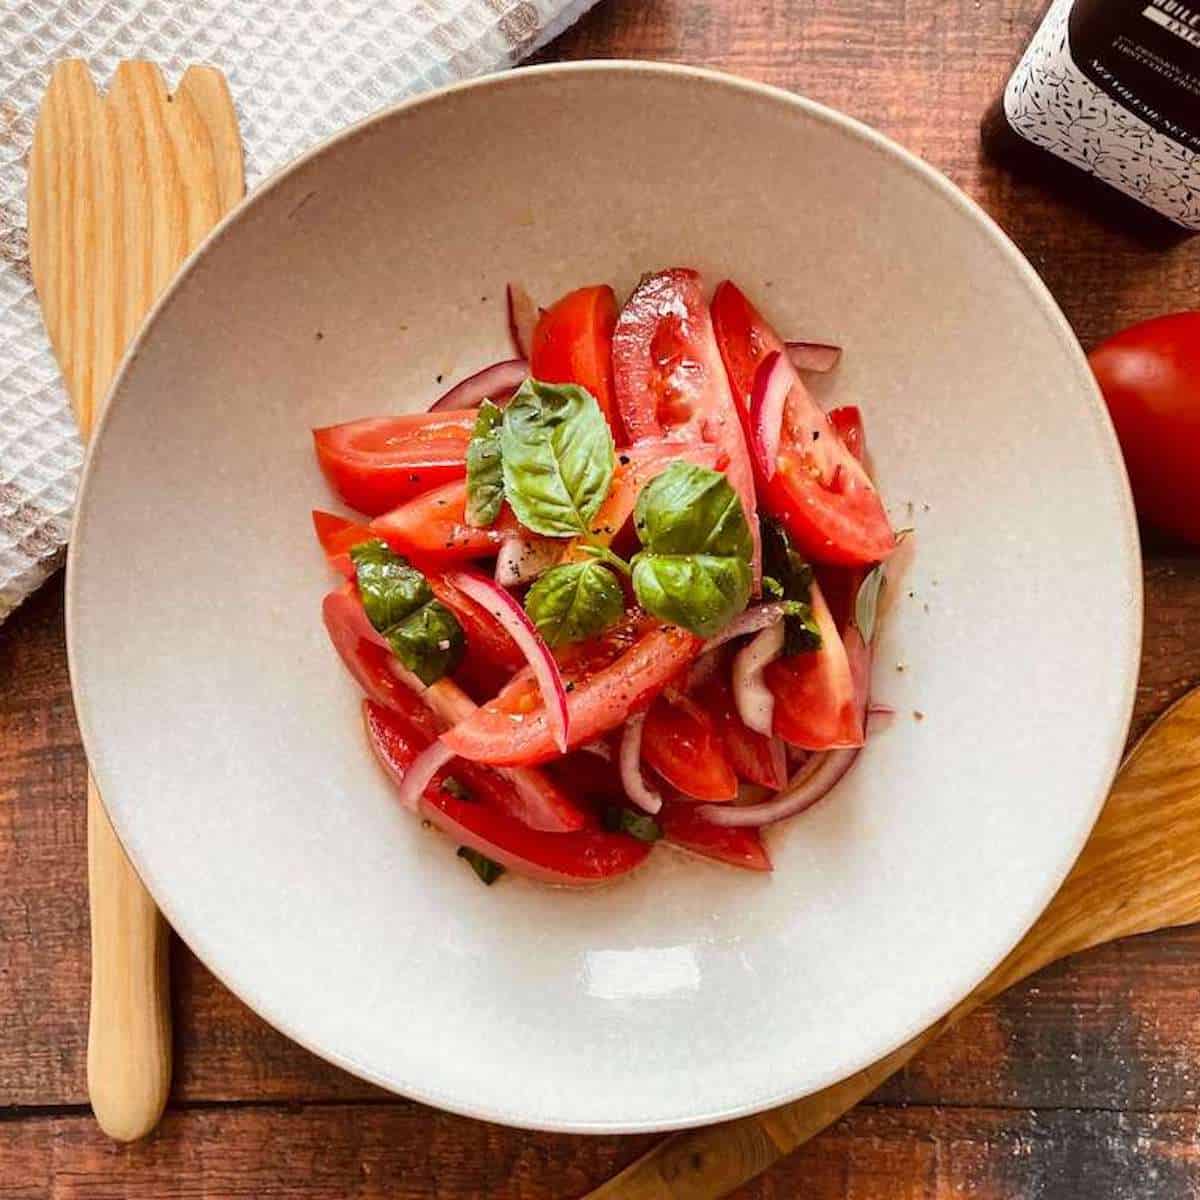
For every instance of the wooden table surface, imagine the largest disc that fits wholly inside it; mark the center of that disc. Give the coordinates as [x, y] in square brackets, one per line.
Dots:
[1083, 1084]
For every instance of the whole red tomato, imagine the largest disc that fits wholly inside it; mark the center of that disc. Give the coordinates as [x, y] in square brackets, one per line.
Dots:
[1150, 377]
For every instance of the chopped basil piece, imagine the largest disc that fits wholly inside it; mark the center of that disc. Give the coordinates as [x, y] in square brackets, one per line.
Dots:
[423, 634]
[557, 457]
[694, 566]
[794, 577]
[485, 477]
[638, 825]
[484, 867]
[573, 601]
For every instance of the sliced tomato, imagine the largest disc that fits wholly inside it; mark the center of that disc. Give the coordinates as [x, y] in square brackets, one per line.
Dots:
[602, 690]
[848, 422]
[814, 692]
[536, 800]
[839, 586]
[588, 776]
[820, 491]
[669, 378]
[749, 753]
[483, 823]
[434, 527]
[338, 536]
[376, 463]
[492, 656]
[485, 635]
[741, 847]
[364, 652]
[680, 741]
[572, 343]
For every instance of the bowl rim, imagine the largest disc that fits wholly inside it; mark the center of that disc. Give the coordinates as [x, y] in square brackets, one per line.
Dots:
[1128, 545]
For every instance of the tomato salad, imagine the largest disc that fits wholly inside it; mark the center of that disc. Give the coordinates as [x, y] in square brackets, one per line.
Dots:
[619, 589]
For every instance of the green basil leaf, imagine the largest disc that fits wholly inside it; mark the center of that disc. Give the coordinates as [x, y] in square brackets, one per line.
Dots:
[692, 510]
[701, 592]
[866, 603]
[557, 457]
[801, 633]
[694, 568]
[423, 634]
[429, 642]
[484, 867]
[390, 588]
[485, 477]
[783, 564]
[573, 601]
[624, 820]
[772, 588]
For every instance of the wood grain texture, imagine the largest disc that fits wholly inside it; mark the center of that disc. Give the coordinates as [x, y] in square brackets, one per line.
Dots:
[121, 190]
[1077, 1085]
[1139, 873]
[405, 1152]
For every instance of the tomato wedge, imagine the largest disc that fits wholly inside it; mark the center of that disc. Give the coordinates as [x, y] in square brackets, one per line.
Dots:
[740, 847]
[434, 526]
[376, 463]
[814, 692]
[848, 422]
[492, 656]
[536, 799]
[366, 655]
[819, 490]
[572, 343]
[603, 689]
[669, 378]
[338, 536]
[680, 741]
[749, 753]
[584, 857]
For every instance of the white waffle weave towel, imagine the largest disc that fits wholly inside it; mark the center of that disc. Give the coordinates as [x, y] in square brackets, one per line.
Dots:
[298, 70]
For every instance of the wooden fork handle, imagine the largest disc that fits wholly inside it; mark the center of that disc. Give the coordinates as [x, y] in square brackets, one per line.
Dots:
[121, 189]
[129, 1026]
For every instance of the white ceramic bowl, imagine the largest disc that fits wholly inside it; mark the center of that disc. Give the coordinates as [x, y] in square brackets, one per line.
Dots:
[225, 735]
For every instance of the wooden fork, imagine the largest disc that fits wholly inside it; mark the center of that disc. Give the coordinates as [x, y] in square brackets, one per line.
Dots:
[121, 190]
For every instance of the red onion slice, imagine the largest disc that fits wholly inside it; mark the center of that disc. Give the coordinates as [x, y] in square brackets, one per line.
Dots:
[505, 608]
[630, 759]
[425, 766]
[701, 671]
[818, 357]
[523, 557]
[820, 773]
[522, 319]
[779, 764]
[754, 701]
[495, 383]
[815, 780]
[772, 383]
[750, 621]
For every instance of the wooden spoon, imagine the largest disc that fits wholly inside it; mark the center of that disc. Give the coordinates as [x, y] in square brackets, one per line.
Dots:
[1140, 871]
[121, 190]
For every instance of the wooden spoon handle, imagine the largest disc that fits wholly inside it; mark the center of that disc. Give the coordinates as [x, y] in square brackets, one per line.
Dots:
[120, 192]
[129, 1025]
[1139, 871]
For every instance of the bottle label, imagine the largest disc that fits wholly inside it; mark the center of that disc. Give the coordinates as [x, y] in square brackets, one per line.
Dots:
[1113, 87]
